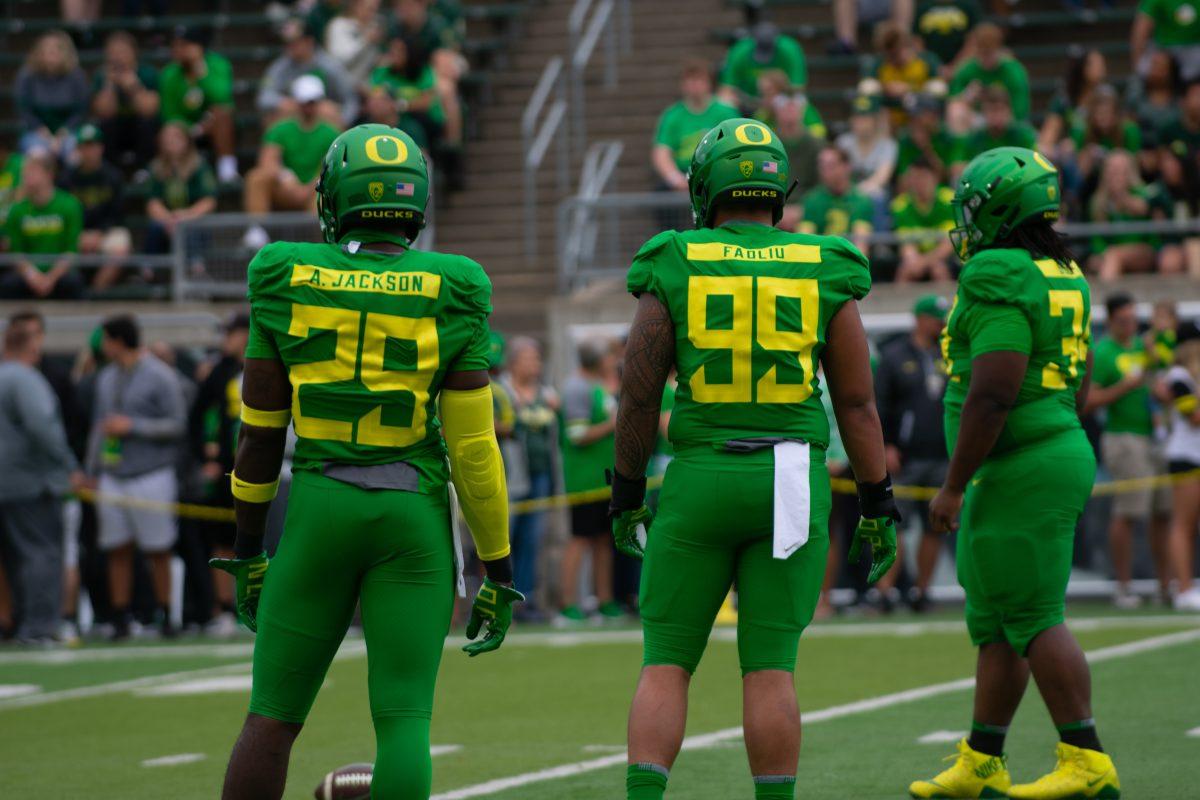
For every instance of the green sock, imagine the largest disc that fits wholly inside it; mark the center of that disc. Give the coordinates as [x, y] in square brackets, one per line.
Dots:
[645, 781]
[774, 787]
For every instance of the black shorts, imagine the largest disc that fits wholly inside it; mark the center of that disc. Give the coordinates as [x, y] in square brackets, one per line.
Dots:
[1177, 466]
[590, 519]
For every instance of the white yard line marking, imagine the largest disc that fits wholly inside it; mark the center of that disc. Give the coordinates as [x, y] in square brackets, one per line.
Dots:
[436, 750]
[823, 715]
[941, 737]
[578, 638]
[1194, 732]
[175, 760]
[127, 653]
[222, 683]
[356, 648]
[349, 650]
[604, 748]
[18, 689]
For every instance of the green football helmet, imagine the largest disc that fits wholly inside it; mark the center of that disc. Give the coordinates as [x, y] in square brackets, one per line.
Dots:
[373, 176]
[739, 161]
[999, 190]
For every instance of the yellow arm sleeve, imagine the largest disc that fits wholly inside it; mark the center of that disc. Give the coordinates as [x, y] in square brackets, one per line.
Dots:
[476, 468]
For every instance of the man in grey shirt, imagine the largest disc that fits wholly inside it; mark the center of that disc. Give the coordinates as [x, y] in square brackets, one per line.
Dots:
[38, 468]
[138, 421]
[302, 56]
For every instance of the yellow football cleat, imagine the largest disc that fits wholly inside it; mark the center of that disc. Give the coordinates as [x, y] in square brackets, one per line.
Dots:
[972, 775]
[1079, 775]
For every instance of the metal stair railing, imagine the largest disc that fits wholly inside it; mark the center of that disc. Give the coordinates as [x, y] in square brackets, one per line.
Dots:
[538, 131]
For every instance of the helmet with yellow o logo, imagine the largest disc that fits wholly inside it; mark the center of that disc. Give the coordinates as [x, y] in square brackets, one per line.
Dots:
[373, 176]
[739, 162]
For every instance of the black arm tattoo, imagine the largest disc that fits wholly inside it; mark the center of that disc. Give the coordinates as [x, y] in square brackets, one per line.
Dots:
[649, 356]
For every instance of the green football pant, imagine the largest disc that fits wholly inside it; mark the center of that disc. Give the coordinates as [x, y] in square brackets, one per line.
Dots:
[392, 551]
[714, 528]
[1017, 537]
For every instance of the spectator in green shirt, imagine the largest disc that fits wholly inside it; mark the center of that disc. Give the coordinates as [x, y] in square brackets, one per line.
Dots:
[944, 26]
[126, 103]
[683, 124]
[589, 413]
[1102, 129]
[181, 187]
[765, 49]
[10, 181]
[992, 65]
[1174, 26]
[927, 138]
[408, 78]
[1119, 385]
[414, 22]
[922, 218]
[289, 160]
[999, 128]
[801, 130]
[321, 14]
[46, 225]
[196, 89]
[1086, 70]
[100, 189]
[836, 207]
[1122, 197]
[1179, 142]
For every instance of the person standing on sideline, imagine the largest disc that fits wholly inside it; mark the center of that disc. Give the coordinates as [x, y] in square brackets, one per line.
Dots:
[38, 468]
[213, 423]
[909, 385]
[535, 411]
[1127, 446]
[1181, 386]
[589, 415]
[138, 421]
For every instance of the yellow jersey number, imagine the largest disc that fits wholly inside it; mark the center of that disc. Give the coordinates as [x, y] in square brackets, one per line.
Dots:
[365, 364]
[1074, 344]
[755, 306]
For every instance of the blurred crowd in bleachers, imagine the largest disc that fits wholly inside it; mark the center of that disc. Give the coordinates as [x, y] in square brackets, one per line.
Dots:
[938, 85]
[109, 161]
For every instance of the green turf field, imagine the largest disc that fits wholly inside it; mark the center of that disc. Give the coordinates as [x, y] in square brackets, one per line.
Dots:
[545, 717]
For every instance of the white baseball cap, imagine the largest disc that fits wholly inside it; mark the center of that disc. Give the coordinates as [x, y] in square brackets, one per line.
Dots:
[307, 89]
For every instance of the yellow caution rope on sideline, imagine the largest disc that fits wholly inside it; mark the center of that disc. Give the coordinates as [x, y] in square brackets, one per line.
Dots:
[839, 485]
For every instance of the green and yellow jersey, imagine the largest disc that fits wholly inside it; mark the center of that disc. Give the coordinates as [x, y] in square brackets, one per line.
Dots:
[586, 403]
[751, 306]
[1009, 301]
[925, 227]
[1112, 362]
[45, 230]
[830, 214]
[367, 339]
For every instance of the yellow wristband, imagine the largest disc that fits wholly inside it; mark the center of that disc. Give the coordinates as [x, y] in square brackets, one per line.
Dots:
[253, 492]
[1187, 404]
[266, 419]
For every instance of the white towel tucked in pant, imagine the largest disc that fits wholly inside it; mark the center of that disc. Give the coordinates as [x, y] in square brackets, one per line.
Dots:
[792, 499]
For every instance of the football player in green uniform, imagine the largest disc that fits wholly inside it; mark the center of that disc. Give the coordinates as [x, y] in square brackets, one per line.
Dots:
[1016, 346]
[746, 312]
[354, 342]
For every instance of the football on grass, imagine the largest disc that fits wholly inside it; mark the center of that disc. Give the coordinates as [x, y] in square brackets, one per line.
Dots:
[351, 782]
